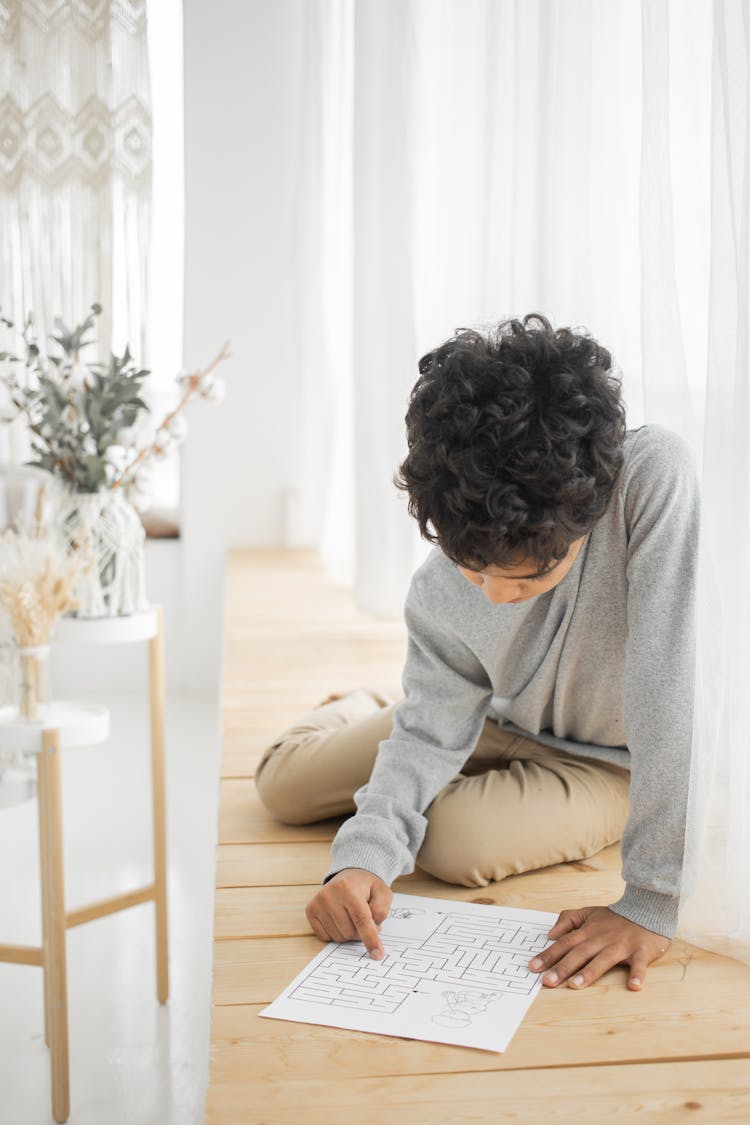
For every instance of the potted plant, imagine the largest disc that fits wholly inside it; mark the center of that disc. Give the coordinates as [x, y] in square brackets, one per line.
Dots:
[86, 425]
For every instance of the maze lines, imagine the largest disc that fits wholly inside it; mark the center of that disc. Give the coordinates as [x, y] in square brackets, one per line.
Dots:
[463, 950]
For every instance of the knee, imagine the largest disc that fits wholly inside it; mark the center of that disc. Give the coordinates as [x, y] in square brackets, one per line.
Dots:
[453, 848]
[279, 787]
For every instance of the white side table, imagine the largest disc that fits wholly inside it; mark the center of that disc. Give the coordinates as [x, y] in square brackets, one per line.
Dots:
[66, 724]
[145, 626]
[82, 725]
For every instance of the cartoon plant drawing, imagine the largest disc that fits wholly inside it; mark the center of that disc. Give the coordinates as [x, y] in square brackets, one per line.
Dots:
[461, 1007]
[404, 912]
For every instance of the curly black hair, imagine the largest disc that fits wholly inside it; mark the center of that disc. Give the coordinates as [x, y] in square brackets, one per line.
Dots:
[515, 441]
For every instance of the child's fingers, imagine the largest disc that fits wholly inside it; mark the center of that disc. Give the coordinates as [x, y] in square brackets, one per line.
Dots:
[568, 920]
[366, 929]
[327, 926]
[335, 928]
[594, 969]
[575, 958]
[639, 962]
[317, 926]
[341, 909]
[381, 897]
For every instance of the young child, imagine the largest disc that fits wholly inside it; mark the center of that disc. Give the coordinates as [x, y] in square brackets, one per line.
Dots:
[548, 685]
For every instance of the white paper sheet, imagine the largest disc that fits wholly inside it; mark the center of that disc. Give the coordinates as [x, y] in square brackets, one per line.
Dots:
[453, 972]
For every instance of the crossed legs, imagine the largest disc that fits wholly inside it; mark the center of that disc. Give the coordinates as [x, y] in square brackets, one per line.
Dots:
[515, 806]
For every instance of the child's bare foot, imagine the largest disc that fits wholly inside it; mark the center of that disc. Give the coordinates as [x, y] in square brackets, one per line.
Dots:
[331, 698]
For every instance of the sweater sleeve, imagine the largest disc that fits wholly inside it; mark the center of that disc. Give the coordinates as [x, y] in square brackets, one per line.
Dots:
[447, 694]
[662, 514]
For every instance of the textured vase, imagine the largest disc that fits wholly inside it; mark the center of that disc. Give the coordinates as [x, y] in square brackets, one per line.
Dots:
[108, 526]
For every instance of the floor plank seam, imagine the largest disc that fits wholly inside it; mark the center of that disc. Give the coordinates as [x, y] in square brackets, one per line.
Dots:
[598, 1064]
[261, 937]
[260, 886]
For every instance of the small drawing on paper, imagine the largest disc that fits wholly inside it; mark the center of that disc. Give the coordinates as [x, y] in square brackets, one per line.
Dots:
[461, 1007]
[404, 912]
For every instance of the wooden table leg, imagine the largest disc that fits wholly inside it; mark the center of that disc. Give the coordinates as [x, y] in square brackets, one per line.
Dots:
[156, 669]
[43, 798]
[53, 922]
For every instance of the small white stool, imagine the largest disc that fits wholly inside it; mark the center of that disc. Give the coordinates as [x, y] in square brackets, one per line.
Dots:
[79, 724]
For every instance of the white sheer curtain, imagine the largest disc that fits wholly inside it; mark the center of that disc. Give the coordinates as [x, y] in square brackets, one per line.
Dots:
[321, 507]
[581, 159]
[489, 167]
[716, 909]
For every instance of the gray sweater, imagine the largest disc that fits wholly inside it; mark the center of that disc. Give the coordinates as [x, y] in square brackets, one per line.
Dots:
[602, 666]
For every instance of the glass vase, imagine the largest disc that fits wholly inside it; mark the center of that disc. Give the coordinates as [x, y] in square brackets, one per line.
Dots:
[108, 526]
[17, 767]
[28, 499]
[33, 695]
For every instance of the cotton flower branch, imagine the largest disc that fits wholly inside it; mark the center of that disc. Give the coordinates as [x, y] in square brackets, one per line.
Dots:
[174, 427]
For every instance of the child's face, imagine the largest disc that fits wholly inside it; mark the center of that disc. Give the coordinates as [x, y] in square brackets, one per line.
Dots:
[511, 584]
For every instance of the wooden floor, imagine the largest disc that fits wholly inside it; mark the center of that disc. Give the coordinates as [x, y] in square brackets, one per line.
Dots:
[676, 1051]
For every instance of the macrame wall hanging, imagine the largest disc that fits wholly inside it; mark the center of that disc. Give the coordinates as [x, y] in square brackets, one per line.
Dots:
[75, 170]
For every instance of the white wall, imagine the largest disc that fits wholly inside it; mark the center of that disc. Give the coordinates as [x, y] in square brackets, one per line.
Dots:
[242, 58]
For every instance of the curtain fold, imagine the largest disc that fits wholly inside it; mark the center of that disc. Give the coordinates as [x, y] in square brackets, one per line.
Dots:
[385, 348]
[320, 505]
[664, 372]
[716, 901]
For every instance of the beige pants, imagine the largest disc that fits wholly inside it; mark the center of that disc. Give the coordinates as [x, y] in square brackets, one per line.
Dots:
[515, 806]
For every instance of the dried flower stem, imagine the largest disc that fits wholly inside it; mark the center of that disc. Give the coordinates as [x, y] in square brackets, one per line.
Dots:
[39, 588]
[39, 511]
[33, 669]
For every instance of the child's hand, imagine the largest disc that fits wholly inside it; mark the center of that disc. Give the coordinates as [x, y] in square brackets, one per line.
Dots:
[592, 940]
[352, 904]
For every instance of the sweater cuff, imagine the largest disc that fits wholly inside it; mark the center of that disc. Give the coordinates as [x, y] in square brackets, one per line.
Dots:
[368, 857]
[653, 911]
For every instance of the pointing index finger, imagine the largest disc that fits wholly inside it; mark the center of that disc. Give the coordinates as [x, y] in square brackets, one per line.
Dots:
[367, 931]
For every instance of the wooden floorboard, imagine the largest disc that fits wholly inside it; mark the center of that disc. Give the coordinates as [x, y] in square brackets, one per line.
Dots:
[611, 1032]
[244, 820]
[672, 1092]
[676, 1051]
